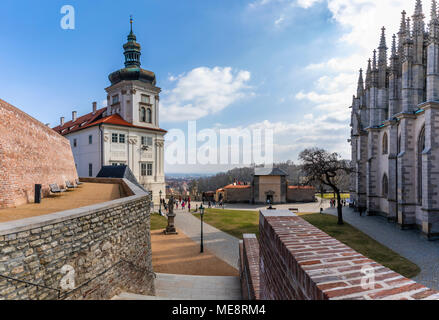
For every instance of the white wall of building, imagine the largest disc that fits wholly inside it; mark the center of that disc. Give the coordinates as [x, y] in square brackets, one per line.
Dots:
[85, 153]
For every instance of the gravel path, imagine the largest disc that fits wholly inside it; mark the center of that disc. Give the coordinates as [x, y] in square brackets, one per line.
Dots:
[223, 245]
[408, 243]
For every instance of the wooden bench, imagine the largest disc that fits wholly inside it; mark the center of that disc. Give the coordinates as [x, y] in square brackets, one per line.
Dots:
[69, 185]
[54, 188]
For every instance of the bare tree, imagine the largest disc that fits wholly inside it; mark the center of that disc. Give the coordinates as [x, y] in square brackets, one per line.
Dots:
[326, 168]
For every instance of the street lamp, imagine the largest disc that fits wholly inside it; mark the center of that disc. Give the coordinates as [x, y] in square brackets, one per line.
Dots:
[160, 205]
[201, 215]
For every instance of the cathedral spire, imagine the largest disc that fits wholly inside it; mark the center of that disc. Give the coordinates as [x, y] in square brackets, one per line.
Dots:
[374, 60]
[403, 25]
[382, 58]
[434, 23]
[368, 74]
[360, 87]
[393, 45]
[418, 19]
[433, 10]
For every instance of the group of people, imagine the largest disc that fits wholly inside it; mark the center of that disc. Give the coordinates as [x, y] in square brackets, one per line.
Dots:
[215, 204]
[343, 202]
[183, 203]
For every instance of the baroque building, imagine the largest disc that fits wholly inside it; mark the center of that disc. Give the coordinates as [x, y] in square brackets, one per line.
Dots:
[126, 131]
[395, 127]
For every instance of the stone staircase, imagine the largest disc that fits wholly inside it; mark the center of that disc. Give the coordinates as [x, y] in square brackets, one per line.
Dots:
[187, 287]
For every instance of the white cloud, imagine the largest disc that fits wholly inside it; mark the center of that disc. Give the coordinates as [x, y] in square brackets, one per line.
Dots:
[203, 91]
[336, 77]
[328, 131]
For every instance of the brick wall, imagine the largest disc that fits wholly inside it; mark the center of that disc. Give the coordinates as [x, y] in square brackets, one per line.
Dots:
[300, 262]
[30, 153]
[249, 267]
[107, 245]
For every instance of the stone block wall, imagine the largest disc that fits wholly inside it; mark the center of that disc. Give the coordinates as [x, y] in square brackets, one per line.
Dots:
[106, 247]
[249, 267]
[238, 195]
[30, 153]
[300, 262]
[301, 194]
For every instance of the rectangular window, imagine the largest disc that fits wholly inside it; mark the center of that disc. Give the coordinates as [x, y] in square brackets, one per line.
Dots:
[114, 137]
[90, 170]
[90, 139]
[145, 99]
[115, 99]
[143, 169]
[146, 141]
[75, 143]
[149, 169]
[121, 138]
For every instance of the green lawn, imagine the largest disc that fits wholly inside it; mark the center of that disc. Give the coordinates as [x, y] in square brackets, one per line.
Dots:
[237, 222]
[158, 222]
[234, 222]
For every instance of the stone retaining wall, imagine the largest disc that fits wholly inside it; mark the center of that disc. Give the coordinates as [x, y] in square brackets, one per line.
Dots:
[300, 262]
[106, 245]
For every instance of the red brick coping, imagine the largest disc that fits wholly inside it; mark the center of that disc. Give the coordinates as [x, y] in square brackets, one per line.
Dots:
[249, 267]
[300, 262]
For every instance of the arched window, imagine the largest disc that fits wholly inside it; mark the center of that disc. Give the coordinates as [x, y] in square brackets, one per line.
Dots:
[149, 115]
[385, 144]
[421, 147]
[142, 114]
[385, 186]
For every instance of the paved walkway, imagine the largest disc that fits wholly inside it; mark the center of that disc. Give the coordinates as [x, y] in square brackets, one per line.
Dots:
[223, 245]
[407, 243]
[184, 287]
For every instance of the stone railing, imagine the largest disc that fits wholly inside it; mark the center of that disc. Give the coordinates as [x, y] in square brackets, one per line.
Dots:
[300, 262]
[93, 252]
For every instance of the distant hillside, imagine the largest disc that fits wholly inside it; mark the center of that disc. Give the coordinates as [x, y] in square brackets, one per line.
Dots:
[295, 177]
[245, 174]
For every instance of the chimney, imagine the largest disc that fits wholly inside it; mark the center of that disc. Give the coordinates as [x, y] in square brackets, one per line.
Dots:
[95, 107]
[74, 116]
[62, 121]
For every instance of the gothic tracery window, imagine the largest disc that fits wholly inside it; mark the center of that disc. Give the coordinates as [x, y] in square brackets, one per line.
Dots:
[385, 144]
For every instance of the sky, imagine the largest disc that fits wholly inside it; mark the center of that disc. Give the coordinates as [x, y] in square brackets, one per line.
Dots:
[286, 65]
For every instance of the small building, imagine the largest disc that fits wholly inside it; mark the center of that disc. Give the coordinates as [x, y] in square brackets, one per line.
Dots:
[269, 184]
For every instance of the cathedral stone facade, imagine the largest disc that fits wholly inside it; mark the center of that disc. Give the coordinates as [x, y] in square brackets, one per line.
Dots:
[395, 127]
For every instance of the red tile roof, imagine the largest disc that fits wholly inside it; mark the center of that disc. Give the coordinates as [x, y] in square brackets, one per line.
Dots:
[242, 186]
[90, 120]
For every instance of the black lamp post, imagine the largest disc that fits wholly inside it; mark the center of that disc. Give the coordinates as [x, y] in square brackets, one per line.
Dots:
[201, 215]
[160, 205]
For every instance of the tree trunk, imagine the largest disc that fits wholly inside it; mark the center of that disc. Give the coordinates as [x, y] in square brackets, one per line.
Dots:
[339, 208]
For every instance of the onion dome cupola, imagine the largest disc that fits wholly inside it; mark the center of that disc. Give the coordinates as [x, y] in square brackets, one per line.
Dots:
[132, 70]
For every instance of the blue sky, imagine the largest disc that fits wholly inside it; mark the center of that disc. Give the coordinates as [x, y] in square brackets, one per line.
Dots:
[282, 64]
